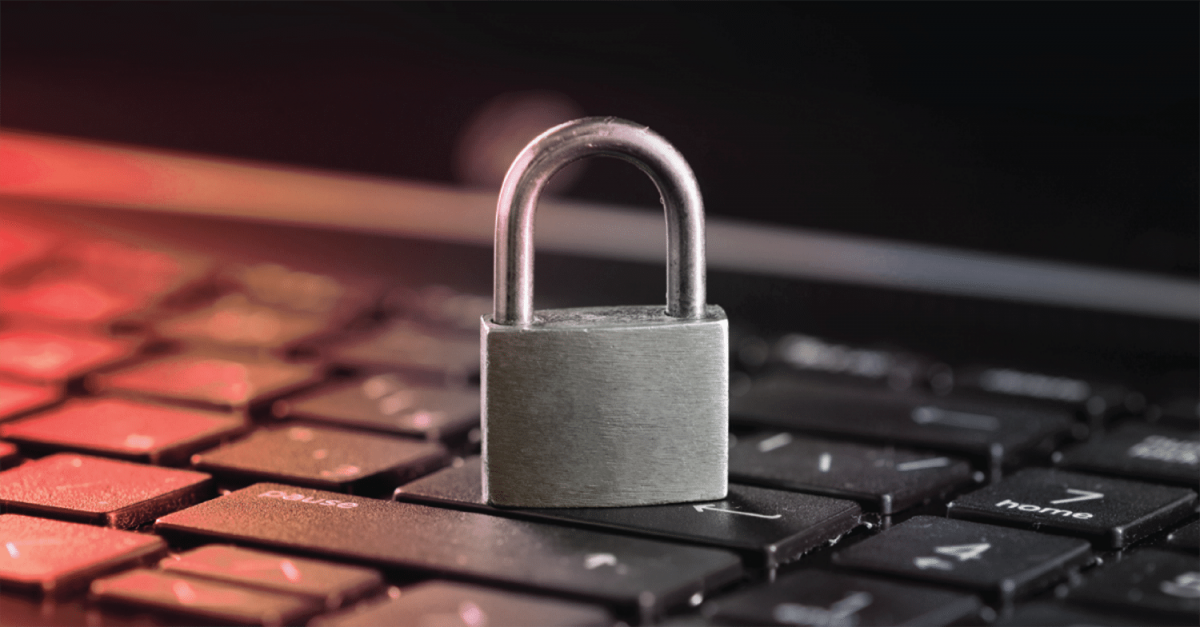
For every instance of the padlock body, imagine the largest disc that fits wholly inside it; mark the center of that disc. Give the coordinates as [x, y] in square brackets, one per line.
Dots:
[605, 407]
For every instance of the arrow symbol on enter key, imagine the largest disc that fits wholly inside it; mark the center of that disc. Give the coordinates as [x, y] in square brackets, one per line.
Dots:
[711, 508]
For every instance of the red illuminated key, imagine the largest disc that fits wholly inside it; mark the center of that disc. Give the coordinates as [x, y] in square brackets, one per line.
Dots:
[41, 356]
[325, 582]
[51, 556]
[130, 268]
[234, 320]
[330, 459]
[126, 429]
[208, 380]
[203, 601]
[20, 398]
[71, 300]
[99, 491]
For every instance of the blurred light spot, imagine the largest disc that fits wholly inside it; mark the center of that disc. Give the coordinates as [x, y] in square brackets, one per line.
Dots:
[502, 127]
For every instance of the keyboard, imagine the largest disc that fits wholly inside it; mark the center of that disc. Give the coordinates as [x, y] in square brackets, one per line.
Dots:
[206, 421]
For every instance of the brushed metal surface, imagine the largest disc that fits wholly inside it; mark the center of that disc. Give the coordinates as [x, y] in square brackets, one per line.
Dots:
[605, 407]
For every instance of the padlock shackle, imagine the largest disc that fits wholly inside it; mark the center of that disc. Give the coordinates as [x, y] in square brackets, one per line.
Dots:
[550, 152]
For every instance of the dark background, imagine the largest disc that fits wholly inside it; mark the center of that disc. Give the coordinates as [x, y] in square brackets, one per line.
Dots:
[1057, 130]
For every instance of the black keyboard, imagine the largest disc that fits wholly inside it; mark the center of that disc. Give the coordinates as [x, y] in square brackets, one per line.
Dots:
[207, 422]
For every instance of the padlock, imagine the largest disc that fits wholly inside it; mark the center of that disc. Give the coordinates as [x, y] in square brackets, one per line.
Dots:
[603, 406]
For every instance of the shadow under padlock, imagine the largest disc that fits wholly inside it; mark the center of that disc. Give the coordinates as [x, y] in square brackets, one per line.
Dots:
[603, 406]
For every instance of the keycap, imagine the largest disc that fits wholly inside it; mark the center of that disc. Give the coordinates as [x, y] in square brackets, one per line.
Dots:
[438, 306]
[17, 399]
[388, 404]
[331, 585]
[208, 380]
[1112, 513]
[402, 345]
[125, 429]
[54, 357]
[882, 479]
[1050, 613]
[70, 300]
[234, 320]
[994, 433]
[999, 562]
[453, 604]
[325, 294]
[814, 356]
[54, 557]
[1089, 397]
[132, 267]
[99, 491]
[201, 600]
[769, 526]
[635, 575]
[816, 597]
[1141, 451]
[1150, 582]
[320, 457]
[1186, 538]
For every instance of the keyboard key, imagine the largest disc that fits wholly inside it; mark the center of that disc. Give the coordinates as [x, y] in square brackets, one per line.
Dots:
[1141, 451]
[54, 557]
[329, 459]
[274, 285]
[1060, 614]
[236, 321]
[125, 429]
[209, 380]
[1148, 581]
[1113, 513]
[1089, 398]
[813, 356]
[769, 526]
[454, 604]
[388, 404]
[813, 597]
[883, 479]
[99, 491]
[17, 399]
[999, 562]
[70, 300]
[405, 346]
[53, 357]
[331, 585]
[125, 267]
[202, 600]
[994, 433]
[639, 576]
[1186, 538]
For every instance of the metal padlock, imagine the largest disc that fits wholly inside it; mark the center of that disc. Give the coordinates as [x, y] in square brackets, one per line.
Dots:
[603, 406]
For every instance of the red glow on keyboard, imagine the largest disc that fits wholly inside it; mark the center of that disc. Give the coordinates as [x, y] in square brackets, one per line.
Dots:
[72, 301]
[19, 245]
[49, 356]
[16, 398]
[134, 269]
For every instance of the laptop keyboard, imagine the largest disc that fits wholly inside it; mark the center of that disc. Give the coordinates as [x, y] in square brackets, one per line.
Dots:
[193, 440]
